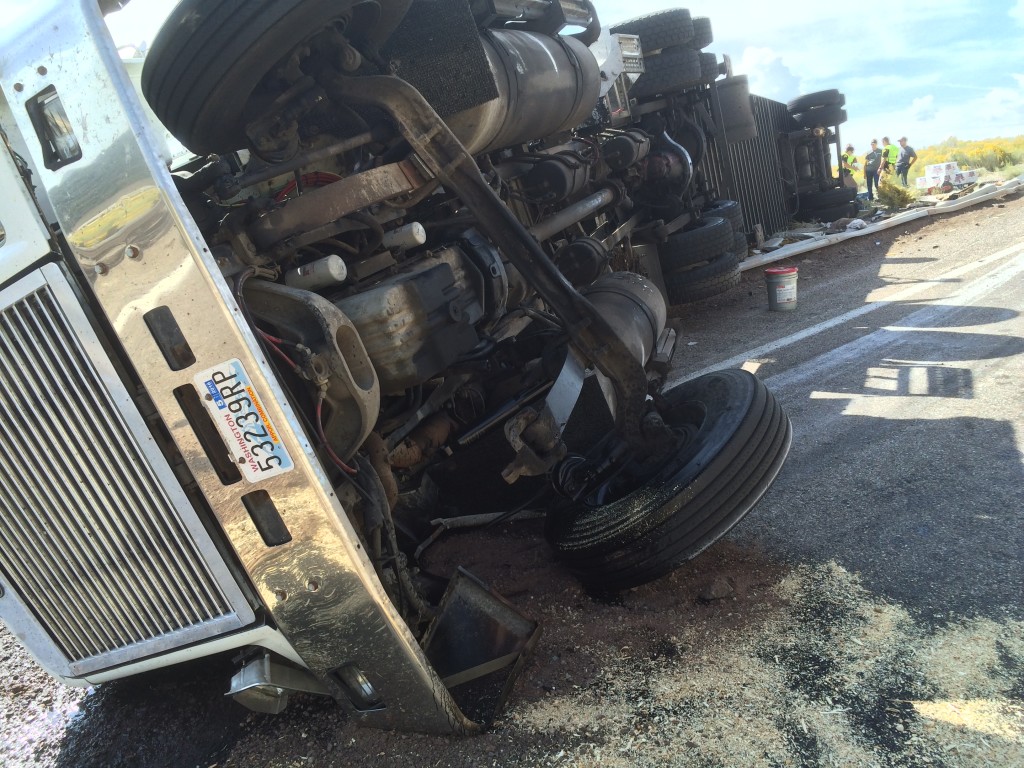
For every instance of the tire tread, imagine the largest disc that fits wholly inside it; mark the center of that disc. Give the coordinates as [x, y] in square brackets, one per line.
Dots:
[693, 518]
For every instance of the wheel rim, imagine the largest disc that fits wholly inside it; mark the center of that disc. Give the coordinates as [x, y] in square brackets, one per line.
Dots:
[691, 418]
[725, 397]
[655, 529]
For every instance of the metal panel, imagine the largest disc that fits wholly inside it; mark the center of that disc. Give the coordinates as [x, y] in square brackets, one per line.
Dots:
[319, 589]
[27, 240]
[756, 169]
[92, 538]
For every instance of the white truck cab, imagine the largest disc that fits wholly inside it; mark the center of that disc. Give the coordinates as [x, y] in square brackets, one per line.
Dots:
[235, 387]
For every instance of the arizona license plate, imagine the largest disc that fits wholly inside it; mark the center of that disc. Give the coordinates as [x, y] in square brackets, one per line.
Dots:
[243, 422]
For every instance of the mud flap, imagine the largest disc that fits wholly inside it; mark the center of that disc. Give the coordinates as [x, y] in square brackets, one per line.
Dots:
[478, 643]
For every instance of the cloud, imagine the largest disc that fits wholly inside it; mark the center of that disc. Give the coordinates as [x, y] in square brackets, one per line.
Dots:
[1001, 107]
[1017, 12]
[923, 108]
[767, 74]
[995, 112]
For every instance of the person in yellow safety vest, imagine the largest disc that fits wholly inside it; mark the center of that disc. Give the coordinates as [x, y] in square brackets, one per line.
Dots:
[850, 165]
[890, 153]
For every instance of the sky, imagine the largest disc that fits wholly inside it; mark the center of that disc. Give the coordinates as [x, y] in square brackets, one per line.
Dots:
[927, 70]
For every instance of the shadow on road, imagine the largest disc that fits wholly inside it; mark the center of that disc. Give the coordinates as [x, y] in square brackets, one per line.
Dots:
[907, 471]
[928, 512]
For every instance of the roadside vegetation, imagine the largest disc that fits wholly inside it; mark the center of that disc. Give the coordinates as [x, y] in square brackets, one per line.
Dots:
[1004, 156]
[894, 196]
[996, 159]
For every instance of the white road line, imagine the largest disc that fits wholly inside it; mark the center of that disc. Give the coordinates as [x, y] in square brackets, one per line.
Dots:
[923, 319]
[871, 306]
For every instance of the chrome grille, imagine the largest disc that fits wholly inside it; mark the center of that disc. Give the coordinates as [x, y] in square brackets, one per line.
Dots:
[95, 539]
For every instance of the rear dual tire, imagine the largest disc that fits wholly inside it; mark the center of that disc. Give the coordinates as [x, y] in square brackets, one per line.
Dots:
[658, 30]
[668, 73]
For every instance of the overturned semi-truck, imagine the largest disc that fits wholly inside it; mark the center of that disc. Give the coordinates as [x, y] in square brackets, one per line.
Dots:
[417, 257]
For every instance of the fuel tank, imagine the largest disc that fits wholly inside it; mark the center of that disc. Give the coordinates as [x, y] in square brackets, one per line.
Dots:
[546, 84]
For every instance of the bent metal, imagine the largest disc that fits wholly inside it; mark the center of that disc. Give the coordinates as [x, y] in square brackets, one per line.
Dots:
[266, 370]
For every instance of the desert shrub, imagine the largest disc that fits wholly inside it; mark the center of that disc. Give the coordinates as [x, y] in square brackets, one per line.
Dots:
[893, 196]
[997, 154]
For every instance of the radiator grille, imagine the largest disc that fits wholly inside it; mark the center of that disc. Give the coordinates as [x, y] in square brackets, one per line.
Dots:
[89, 536]
[756, 169]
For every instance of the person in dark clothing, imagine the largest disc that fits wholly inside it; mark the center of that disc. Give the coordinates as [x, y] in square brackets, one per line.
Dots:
[906, 158]
[872, 162]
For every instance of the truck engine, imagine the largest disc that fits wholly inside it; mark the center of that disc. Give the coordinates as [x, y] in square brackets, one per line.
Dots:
[449, 234]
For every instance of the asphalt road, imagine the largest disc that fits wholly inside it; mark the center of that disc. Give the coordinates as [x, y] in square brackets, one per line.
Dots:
[908, 412]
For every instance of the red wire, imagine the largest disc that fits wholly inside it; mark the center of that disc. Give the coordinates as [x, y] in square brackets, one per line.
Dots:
[268, 337]
[323, 439]
[270, 341]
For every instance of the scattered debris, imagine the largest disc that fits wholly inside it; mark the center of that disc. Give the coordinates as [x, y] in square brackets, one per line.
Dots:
[721, 587]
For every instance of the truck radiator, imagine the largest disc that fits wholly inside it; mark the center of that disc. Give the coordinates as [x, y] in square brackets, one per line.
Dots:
[99, 545]
[756, 169]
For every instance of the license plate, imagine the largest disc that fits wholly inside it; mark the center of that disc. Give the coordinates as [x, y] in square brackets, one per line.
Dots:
[243, 422]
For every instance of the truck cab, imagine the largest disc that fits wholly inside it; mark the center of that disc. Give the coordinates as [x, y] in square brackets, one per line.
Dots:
[416, 263]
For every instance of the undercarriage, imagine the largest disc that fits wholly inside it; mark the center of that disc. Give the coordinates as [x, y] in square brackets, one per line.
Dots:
[415, 268]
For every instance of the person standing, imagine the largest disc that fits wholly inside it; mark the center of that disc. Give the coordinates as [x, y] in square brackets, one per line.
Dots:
[904, 159]
[850, 165]
[872, 162]
[889, 154]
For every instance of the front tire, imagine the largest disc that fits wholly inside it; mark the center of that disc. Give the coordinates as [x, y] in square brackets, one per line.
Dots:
[734, 438]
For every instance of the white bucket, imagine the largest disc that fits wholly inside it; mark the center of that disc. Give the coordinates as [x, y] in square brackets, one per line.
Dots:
[781, 283]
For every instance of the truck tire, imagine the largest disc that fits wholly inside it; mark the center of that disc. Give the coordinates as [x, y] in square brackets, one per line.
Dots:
[702, 36]
[696, 246]
[704, 281]
[737, 437]
[740, 246]
[828, 198]
[820, 116]
[661, 29]
[206, 62]
[831, 97]
[668, 72]
[827, 214]
[708, 67]
[730, 210]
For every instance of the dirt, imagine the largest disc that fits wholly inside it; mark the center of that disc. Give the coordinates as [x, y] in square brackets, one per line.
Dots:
[735, 659]
[796, 666]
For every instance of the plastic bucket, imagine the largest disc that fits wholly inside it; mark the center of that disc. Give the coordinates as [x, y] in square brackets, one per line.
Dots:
[781, 283]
